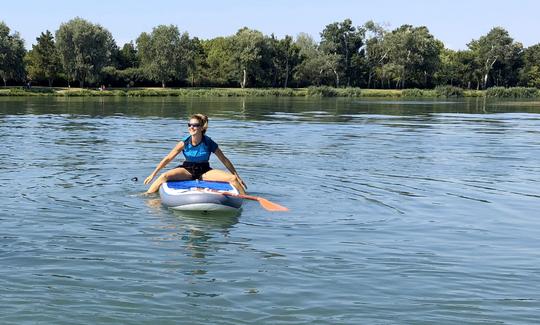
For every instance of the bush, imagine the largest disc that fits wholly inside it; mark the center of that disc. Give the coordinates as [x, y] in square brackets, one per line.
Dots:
[413, 92]
[18, 92]
[473, 93]
[498, 92]
[448, 91]
[349, 92]
[78, 93]
[381, 93]
[322, 91]
[143, 93]
[514, 92]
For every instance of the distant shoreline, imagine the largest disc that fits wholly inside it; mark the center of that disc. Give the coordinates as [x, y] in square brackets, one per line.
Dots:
[323, 91]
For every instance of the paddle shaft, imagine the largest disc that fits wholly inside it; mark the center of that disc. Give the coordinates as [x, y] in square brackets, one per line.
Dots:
[267, 204]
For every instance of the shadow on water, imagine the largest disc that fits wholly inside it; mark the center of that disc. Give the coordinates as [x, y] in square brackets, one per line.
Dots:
[200, 231]
[209, 220]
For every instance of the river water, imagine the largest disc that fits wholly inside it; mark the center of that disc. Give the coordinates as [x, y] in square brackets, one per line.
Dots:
[401, 212]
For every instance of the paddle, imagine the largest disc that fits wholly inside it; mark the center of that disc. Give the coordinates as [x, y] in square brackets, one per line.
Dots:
[267, 204]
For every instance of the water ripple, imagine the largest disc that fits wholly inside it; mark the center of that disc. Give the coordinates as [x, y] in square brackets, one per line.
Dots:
[400, 212]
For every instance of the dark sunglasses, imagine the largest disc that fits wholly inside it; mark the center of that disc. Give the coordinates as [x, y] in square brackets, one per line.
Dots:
[194, 125]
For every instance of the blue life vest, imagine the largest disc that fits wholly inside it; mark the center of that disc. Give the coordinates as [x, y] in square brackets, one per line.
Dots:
[201, 152]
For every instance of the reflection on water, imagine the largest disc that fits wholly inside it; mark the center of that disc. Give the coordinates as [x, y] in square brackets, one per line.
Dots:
[199, 230]
[256, 108]
[196, 229]
[209, 220]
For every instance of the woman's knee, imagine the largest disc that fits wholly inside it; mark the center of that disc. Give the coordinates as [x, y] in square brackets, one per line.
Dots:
[223, 176]
[165, 176]
[172, 175]
[229, 178]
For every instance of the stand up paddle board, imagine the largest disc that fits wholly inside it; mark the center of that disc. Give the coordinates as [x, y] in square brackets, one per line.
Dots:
[199, 196]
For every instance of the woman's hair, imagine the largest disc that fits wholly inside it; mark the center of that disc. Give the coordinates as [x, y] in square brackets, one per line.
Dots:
[203, 119]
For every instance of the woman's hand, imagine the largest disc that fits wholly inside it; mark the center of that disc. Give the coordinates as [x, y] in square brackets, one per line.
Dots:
[149, 178]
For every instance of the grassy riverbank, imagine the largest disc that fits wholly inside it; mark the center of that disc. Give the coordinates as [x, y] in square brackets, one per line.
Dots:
[445, 92]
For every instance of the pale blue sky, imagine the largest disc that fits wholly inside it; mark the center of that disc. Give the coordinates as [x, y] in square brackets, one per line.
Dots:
[455, 22]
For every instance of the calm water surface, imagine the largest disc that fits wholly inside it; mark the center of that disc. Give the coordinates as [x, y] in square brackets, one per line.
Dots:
[402, 212]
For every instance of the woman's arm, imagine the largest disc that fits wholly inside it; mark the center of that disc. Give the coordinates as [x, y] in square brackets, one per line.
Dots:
[168, 158]
[227, 163]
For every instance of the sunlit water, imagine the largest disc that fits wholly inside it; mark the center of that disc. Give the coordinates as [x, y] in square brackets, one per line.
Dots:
[417, 212]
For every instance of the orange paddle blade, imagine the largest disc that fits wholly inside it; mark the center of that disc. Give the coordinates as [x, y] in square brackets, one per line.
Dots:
[267, 204]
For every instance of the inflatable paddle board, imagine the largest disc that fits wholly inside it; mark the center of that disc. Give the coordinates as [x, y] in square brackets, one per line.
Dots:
[199, 196]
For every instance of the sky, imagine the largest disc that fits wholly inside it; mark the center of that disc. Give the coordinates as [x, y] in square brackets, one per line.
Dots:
[454, 22]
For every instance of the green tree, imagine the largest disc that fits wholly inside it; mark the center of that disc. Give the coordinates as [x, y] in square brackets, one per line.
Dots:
[375, 52]
[12, 54]
[42, 60]
[127, 57]
[392, 74]
[84, 49]
[308, 69]
[247, 45]
[530, 73]
[315, 67]
[465, 69]
[329, 65]
[448, 72]
[285, 58]
[195, 60]
[187, 51]
[497, 51]
[344, 40]
[123, 67]
[219, 67]
[163, 53]
[416, 51]
[271, 61]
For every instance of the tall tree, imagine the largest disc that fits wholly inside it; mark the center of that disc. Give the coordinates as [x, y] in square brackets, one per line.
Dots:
[416, 51]
[469, 70]
[497, 50]
[42, 60]
[195, 57]
[448, 72]
[315, 67]
[344, 40]
[84, 49]
[247, 48]
[391, 74]
[219, 68]
[127, 57]
[329, 65]
[162, 53]
[12, 54]
[285, 59]
[530, 74]
[308, 69]
[375, 52]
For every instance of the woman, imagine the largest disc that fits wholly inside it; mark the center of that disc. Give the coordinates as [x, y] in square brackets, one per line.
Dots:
[196, 148]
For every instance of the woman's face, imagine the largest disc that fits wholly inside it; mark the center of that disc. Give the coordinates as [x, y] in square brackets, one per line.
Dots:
[194, 126]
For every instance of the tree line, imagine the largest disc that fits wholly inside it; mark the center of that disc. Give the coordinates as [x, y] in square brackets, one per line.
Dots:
[367, 56]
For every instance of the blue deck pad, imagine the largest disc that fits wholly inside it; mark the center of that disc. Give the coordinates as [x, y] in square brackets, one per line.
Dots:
[186, 185]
